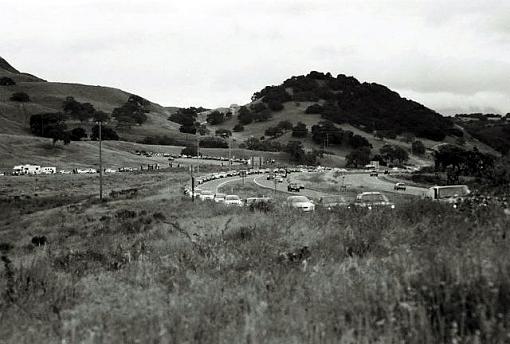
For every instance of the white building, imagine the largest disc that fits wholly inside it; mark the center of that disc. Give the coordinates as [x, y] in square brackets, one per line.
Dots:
[26, 169]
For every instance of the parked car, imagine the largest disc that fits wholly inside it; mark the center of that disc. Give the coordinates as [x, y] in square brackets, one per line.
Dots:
[399, 186]
[279, 179]
[219, 197]
[329, 202]
[233, 200]
[65, 172]
[300, 202]
[206, 195]
[451, 194]
[370, 200]
[293, 187]
[374, 173]
[270, 177]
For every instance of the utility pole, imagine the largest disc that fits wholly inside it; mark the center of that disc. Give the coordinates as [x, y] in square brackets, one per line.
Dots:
[192, 183]
[198, 152]
[100, 162]
[230, 151]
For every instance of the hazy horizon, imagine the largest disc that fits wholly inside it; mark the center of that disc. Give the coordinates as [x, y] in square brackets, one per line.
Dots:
[452, 57]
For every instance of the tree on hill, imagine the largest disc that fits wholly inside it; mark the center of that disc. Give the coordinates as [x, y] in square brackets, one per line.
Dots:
[314, 109]
[107, 133]
[326, 133]
[21, 97]
[238, 128]
[58, 133]
[418, 148]
[261, 145]
[356, 141]
[392, 153]
[41, 124]
[215, 118]
[184, 116]
[273, 132]
[244, 116]
[100, 116]
[297, 153]
[77, 134]
[132, 112]
[213, 142]
[358, 157]
[284, 125]
[275, 106]
[299, 130]
[6, 81]
[190, 150]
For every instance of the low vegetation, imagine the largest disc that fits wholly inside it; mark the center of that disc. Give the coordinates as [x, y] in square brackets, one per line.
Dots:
[157, 268]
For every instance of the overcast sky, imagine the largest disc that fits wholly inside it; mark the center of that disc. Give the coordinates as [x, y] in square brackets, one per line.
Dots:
[450, 55]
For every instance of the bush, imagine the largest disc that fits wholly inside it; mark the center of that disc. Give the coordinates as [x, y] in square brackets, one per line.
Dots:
[275, 106]
[190, 150]
[238, 128]
[213, 142]
[215, 118]
[21, 97]
[77, 134]
[299, 130]
[285, 125]
[314, 109]
[418, 148]
[6, 81]
[107, 133]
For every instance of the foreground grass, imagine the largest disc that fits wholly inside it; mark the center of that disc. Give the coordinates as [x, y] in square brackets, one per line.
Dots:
[159, 269]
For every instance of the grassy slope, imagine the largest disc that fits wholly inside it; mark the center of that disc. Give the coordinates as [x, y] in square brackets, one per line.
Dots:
[160, 269]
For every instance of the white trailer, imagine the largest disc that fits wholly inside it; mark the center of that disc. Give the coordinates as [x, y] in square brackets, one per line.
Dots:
[49, 170]
[26, 169]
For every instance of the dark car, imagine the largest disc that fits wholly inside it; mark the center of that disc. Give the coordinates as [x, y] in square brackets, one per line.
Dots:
[293, 187]
[399, 186]
[374, 173]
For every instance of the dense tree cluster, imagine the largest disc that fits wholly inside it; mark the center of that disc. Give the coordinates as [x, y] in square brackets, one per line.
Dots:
[238, 128]
[392, 154]
[21, 97]
[297, 153]
[495, 134]
[279, 129]
[459, 161]
[83, 112]
[299, 130]
[107, 133]
[6, 81]
[132, 112]
[358, 157]
[368, 106]
[418, 148]
[261, 145]
[213, 142]
[215, 117]
[50, 125]
[326, 133]
[258, 112]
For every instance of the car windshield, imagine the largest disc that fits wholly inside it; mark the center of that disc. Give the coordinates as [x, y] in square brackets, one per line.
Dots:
[298, 199]
[452, 191]
[232, 198]
[220, 196]
[373, 198]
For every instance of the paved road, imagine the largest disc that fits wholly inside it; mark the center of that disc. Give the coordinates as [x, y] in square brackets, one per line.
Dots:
[355, 181]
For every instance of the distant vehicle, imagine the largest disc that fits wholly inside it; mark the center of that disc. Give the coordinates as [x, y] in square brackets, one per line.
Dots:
[293, 187]
[206, 195]
[372, 200]
[26, 169]
[86, 170]
[109, 170]
[329, 202]
[279, 179]
[451, 194]
[300, 202]
[399, 186]
[270, 176]
[386, 172]
[219, 197]
[233, 200]
[64, 172]
[48, 170]
[374, 173]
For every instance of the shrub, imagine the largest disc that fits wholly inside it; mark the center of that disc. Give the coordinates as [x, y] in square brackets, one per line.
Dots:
[6, 81]
[275, 106]
[21, 97]
[238, 128]
[77, 134]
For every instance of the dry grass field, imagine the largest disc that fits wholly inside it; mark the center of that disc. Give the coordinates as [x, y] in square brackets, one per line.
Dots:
[155, 268]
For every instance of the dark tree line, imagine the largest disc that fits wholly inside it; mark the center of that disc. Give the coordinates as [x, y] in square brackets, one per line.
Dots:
[369, 106]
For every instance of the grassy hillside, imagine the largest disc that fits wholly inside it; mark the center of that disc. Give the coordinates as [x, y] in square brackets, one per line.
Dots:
[157, 268]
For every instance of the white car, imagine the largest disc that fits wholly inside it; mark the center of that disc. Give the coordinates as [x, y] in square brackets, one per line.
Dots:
[206, 195]
[300, 202]
[109, 170]
[233, 200]
[64, 172]
[219, 197]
